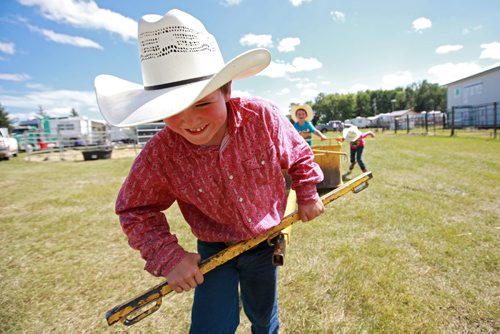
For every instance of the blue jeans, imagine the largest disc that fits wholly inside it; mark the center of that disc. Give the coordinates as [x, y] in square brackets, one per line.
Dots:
[216, 306]
[356, 154]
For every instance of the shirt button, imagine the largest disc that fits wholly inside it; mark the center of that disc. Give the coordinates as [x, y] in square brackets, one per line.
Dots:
[262, 162]
[249, 220]
[200, 190]
[240, 199]
[231, 177]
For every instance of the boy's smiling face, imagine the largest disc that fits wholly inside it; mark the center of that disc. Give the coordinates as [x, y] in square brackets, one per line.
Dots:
[301, 115]
[205, 121]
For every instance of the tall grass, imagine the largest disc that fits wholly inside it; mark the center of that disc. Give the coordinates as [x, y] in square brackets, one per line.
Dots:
[418, 251]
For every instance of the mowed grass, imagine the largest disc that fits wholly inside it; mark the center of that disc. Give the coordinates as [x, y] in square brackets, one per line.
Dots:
[416, 252]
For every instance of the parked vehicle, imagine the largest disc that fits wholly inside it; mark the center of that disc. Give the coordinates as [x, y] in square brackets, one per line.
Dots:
[360, 122]
[330, 126]
[8, 145]
[62, 132]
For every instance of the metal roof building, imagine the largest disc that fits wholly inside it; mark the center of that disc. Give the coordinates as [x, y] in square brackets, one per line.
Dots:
[478, 89]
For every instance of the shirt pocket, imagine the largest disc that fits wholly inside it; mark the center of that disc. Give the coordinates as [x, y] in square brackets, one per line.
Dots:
[263, 165]
[201, 192]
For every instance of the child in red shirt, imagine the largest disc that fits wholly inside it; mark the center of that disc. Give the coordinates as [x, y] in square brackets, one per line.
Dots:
[356, 139]
[220, 158]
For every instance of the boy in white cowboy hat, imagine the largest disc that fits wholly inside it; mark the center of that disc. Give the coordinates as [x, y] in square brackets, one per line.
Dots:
[356, 139]
[302, 115]
[219, 157]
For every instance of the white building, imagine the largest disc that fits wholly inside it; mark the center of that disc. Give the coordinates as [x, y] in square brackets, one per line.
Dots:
[480, 88]
[474, 101]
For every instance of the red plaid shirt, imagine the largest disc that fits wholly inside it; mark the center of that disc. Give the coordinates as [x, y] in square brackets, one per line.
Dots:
[230, 192]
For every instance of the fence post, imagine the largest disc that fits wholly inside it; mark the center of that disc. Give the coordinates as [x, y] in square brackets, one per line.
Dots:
[452, 121]
[426, 122]
[395, 125]
[495, 119]
[407, 124]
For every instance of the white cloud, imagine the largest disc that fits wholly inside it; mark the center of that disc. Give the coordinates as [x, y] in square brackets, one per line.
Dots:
[279, 69]
[9, 48]
[443, 49]
[309, 93]
[66, 39]
[421, 24]
[284, 91]
[14, 77]
[260, 41]
[398, 79]
[288, 44]
[297, 3]
[240, 93]
[54, 102]
[338, 16]
[467, 31]
[449, 72]
[306, 64]
[85, 14]
[358, 88]
[491, 51]
[231, 2]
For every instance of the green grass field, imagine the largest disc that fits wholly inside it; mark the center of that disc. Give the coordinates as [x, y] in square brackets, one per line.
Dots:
[416, 252]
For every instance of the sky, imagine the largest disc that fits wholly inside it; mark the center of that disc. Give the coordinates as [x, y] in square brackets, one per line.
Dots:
[51, 50]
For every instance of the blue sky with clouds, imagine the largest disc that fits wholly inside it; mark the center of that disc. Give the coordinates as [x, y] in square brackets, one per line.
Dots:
[51, 50]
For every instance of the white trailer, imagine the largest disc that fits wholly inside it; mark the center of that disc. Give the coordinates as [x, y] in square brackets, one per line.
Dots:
[80, 131]
[360, 122]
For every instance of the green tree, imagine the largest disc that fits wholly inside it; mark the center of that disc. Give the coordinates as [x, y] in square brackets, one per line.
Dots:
[418, 96]
[74, 113]
[363, 104]
[4, 119]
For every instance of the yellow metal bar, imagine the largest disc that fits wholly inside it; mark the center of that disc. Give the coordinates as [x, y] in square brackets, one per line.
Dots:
[291, 206]
[328, 152]
[126, 310]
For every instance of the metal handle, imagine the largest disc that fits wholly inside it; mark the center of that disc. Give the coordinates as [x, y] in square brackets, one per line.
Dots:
[149, 311]
[360, 188]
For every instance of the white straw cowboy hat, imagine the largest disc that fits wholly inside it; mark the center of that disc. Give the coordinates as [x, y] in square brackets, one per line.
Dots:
[180, 62]
[307, 108]
[351, 133]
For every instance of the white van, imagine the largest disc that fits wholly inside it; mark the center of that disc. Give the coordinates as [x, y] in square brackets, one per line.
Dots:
[8, 145]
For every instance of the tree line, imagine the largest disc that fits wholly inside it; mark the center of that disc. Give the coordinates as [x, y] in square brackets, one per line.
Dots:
[422, 96]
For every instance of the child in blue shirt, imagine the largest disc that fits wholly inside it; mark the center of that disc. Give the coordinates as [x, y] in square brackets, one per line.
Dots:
[302, 116]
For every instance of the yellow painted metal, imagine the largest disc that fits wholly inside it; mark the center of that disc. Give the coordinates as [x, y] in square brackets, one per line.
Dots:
[125, 312]
[282, 241]
[291, 206]
[328, 157]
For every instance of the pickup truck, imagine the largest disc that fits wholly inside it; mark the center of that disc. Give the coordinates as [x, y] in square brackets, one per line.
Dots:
[330, 126]
[8, 145]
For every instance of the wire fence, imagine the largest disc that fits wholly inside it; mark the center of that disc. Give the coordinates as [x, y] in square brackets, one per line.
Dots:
[477, 120]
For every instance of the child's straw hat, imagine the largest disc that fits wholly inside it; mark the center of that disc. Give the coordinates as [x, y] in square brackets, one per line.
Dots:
[180, 62]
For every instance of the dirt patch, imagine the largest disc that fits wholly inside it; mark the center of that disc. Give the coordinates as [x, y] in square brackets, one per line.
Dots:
[76, 155]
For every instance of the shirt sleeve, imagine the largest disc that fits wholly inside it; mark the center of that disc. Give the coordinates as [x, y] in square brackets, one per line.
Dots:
[311, 127]
[141, 200]
[296, 157]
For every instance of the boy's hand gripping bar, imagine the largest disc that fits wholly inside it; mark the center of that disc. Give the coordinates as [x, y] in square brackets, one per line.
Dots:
[128, 312]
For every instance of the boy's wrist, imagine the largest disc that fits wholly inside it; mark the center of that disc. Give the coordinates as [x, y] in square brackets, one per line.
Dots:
[307, 193]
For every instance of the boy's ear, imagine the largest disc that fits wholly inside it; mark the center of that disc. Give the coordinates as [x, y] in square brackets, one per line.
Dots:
[227, 91]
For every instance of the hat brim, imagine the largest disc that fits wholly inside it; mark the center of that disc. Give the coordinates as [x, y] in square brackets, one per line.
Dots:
[123, 103]
[351, 129]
